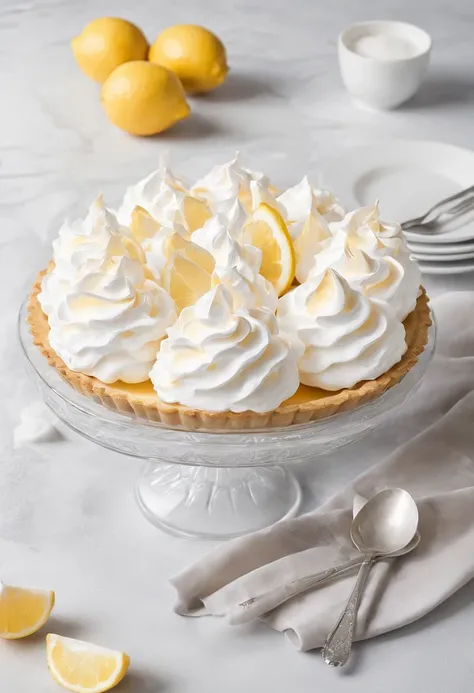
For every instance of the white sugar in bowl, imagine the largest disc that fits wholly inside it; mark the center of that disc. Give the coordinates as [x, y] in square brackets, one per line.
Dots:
[383, 63]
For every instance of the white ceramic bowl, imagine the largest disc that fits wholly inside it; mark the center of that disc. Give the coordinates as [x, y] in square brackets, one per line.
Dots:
[383, 83]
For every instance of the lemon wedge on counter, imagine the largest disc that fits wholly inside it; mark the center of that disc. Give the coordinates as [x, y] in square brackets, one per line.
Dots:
[106, 43]
[143, 98]
[82, 667]
[23, 611]
[196, 55]
[267, 230]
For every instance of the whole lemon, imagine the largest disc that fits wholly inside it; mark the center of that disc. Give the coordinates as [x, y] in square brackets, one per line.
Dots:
[143, 98]
[195, 54]
[106, 43]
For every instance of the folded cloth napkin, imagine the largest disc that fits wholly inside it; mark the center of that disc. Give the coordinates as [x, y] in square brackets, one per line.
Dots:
[436, 466]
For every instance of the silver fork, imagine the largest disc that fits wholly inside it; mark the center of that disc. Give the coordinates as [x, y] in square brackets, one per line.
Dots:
[454, 205]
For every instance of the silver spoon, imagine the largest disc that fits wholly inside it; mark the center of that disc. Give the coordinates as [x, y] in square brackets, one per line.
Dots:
[260, 604]
[386, 523]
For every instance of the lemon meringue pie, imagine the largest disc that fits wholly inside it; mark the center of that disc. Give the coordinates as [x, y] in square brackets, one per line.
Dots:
[228, 305]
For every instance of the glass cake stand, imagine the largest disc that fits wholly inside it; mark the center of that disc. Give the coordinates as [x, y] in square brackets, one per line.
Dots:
[213, 485]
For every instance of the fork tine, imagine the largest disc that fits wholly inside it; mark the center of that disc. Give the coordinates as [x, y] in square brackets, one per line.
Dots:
[453, 198]
[430, 227]
[438, 208]
[461, 206]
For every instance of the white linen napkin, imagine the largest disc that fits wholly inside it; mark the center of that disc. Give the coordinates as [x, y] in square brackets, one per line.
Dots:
[436, 466]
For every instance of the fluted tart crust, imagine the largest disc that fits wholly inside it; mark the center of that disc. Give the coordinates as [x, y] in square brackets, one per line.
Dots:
[307, 404]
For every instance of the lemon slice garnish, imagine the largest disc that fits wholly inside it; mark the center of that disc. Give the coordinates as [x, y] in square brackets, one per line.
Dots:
[187, 275]
[186, 282]
[196, 213]
[191, 251]
[22, 611]
[83, 667]
[267, 230]
[143, 225]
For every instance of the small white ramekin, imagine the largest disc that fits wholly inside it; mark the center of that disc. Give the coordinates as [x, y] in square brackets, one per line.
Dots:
[383, 84]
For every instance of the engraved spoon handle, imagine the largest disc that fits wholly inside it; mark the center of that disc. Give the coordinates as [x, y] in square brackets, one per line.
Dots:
[262, 603]
[337, 647]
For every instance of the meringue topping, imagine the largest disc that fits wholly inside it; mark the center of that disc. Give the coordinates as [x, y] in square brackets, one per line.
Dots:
[373, 257]
[221, 358]
[106, 316]
[341, 336]
[300, 201]
[182, 263]
[237, 267]
[166, 200]
[226, 182]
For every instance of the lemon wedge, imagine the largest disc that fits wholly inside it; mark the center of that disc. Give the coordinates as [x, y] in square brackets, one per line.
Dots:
[188, 273]
[192, 252]
[143, 225]
[134, 249]
[22, 611]
[187, 282]
[196, 213]
[83, 667]
[267, 230]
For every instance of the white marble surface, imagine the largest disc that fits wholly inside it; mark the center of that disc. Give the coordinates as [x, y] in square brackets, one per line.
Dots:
[68, 520]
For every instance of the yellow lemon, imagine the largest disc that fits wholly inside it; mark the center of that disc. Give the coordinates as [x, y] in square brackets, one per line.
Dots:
[143, 99]
[195, 54]
[106, 43]
[83, 667]
[267, 230]
[22, 611]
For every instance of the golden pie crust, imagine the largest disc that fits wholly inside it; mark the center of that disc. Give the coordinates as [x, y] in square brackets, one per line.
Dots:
[307, 404]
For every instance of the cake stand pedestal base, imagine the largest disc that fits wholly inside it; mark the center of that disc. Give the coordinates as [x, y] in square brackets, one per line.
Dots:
[216, 503]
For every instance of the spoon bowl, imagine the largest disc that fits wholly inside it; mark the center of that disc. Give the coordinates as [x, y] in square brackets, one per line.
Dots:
[386, 523]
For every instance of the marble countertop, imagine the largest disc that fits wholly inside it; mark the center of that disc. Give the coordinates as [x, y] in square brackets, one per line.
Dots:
[68, 518]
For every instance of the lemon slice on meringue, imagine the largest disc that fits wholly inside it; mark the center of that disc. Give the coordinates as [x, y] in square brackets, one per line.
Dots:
[196, 213]
[143, 225]
[267, 231]
[186, 281]
[188, 272]
[191, 251]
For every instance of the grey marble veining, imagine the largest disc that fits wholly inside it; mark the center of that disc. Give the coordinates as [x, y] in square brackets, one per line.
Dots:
[67, 514]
